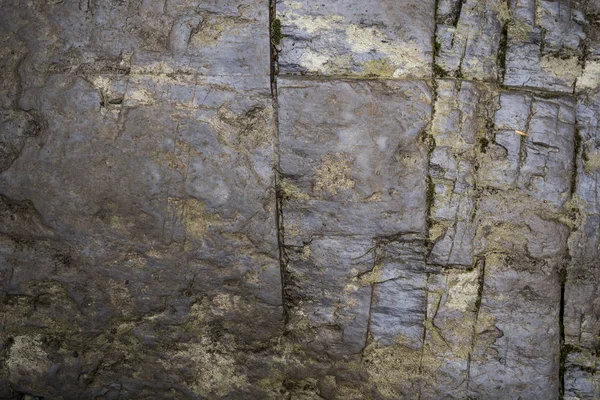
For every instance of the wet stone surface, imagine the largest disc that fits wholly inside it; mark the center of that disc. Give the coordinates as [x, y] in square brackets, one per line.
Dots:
[300, 199]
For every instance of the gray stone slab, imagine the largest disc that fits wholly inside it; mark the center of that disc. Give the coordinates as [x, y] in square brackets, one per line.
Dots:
[145, 198]
[347, 167]
[538, 164]
[425, 248]
[453, 298]
[329, 304]
[468, 38]
[399, 303]
[343, 37]
[581, 377]
[212, 38]
[544, 45]
[516, 350]
[352, 176]
[458, 128]
[581, 317]
[512, 222]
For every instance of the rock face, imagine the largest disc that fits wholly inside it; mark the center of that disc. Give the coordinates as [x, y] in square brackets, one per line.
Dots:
[300, 199]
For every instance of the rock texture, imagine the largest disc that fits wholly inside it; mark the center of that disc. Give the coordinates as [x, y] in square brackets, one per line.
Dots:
[300, 199]
[139, 254]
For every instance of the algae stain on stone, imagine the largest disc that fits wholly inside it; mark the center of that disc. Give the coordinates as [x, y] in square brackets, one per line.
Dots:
[517, 29]
[213, 28]
[382, 68]
[276, 35]
[373, 276]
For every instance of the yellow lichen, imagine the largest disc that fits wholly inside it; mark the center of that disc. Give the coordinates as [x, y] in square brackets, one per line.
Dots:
[120, 296]
[312, 24]
[139, 97]
[272, 385]
[437, 230]
[305, 252]
[171, 160]
[406, 58]
[291, 191]
[503, 237]
[27, 357]
[482, 342]
[213, 368]
[244, 132]
[224, 302]
[502, 12]
[463, 290]
[334, 174]
[568, 69]
[591, 162]
[398, 370]
[339, 65]
[590, 78]
[293, 229]
[377, 196]
[360, 39]
[372, 276]
[518, 30]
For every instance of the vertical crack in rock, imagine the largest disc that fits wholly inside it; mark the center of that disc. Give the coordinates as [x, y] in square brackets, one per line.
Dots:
[481, 265]
[424, 338]
[429, 141]
[369, 318]
[274, 37]
[373, 284]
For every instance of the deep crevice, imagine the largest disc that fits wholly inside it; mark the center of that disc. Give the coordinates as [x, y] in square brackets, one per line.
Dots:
[502, 48]
[564, 351]
[576, 149]
[427, 138]
[457, 13]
